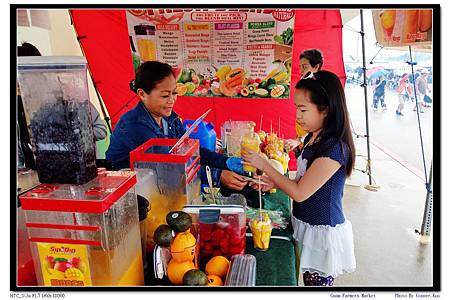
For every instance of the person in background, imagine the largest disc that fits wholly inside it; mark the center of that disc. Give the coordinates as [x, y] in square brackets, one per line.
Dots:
[311, 60]
[153, 117]
[422, 89]
[25, 157]
[379, 93]
[404, 93]
[98, 125]
[322, 232]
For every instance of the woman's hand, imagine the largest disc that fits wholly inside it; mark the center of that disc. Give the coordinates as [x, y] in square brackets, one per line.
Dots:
[257, 160]
[292, 144]
[266, 183]
[232, 180]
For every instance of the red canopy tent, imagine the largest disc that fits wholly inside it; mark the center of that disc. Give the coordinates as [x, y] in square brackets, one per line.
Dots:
[103, 35]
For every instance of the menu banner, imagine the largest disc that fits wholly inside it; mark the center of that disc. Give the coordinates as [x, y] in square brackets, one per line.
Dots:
[238, 53]
[403, 27]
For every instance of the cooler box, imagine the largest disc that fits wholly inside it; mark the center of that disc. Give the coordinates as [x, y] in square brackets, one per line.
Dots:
[82, 235]
[167, 181]
[220, 230]
[55, 97]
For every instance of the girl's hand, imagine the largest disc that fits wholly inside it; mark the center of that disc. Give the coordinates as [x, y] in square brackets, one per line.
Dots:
[268, 184]
[292, 144]
[251, 158]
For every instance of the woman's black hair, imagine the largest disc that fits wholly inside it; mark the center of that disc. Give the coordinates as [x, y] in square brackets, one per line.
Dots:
[314, 56]
[149, 74]
[326, 92]
[27, 49]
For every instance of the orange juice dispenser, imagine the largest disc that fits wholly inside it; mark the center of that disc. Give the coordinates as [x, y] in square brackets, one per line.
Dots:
[146, 41]
[167, 180]
[83, 235]
[55, 96]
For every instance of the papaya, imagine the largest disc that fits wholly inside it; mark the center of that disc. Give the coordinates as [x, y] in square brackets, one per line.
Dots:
[245, 92]
[235, 73]
[235, 82]
[226, 90]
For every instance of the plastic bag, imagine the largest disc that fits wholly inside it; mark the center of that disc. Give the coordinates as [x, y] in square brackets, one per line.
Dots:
[276, 216]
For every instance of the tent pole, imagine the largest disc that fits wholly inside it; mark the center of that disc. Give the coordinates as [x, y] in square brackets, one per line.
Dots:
[364, 85]
[418, 108]
[428, 210]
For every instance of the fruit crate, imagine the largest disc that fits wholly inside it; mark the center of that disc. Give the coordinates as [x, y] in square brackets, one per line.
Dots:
[167, 180]
[87, 234]
[55, 96]
[220, 230]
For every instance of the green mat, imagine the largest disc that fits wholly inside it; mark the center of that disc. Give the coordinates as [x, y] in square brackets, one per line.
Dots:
[277, 265]
[278, 201]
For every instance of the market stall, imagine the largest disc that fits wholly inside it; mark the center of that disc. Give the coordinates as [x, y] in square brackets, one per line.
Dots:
[156, 224]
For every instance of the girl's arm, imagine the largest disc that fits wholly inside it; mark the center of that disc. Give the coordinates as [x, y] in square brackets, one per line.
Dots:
[315, 177]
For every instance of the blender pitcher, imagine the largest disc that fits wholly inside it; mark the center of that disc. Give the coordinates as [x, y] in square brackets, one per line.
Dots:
[146, 42]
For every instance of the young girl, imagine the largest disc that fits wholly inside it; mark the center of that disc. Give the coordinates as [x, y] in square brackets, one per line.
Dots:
[311, 60]
[323, 234]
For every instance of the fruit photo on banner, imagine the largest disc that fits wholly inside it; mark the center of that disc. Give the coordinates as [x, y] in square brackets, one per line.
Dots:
[402, 27]
[238, 53]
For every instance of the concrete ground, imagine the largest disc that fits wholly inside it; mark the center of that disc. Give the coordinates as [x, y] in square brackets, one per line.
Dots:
[388, 252]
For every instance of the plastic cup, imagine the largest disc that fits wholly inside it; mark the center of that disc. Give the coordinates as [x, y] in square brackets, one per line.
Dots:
[261, 232]
[249, 142]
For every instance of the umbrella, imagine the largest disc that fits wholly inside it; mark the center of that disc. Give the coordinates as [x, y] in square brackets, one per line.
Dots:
[378, 74]
[373, 70]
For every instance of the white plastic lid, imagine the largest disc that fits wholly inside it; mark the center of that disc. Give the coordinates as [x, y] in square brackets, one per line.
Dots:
[30, 63]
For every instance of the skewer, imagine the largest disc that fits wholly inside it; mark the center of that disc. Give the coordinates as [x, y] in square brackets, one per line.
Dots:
[260, 123]
[279, 125]
[260, 198]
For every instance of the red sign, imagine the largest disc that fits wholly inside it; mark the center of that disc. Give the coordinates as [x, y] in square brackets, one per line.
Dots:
[283, 15]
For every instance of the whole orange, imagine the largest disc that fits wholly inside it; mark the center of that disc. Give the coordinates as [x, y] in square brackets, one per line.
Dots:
[176, 270]
[218, 265]
[182, 247]
[214, 280]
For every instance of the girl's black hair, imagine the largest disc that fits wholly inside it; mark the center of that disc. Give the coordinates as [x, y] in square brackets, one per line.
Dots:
[149, 74]
[326, 92]
[314, 56]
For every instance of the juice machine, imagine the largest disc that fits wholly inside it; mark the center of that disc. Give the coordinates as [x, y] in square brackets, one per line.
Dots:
[88, 234]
